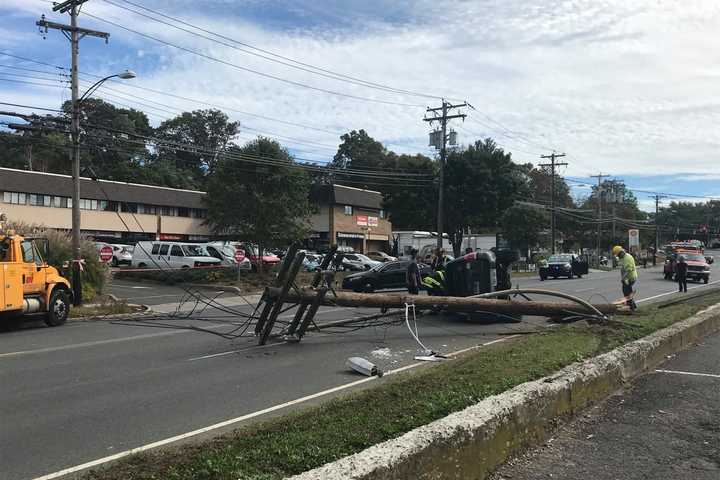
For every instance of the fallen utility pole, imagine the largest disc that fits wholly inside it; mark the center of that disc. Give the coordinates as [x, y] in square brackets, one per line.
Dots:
[455, 304]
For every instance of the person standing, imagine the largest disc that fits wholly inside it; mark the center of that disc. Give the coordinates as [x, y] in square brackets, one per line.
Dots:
[628, 274]
[413, 274]
[681, 273]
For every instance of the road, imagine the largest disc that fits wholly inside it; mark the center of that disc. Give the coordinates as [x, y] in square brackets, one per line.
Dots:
[92, 389]
[663, 427]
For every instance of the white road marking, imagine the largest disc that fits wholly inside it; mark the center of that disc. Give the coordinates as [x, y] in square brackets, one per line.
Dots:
[104, 342]
[135, 287]
[711, 375]
[584, 290]
[242, 418]
[675, 291]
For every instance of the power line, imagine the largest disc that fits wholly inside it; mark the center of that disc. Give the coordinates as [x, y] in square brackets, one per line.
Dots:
[250, 70]
[286, 61]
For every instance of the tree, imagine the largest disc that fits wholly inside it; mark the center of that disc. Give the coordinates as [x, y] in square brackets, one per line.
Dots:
[481, 182]
[359, 151]
[205, 133]
[266, 204]
[412, 206]
[522, 225]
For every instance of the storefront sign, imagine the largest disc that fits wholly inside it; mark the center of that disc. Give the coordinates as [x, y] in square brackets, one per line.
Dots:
[362, 220]
[167, 236]
[372, 221]
[358, 236]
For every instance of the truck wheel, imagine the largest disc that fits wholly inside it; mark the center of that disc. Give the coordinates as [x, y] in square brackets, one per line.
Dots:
[58, 309]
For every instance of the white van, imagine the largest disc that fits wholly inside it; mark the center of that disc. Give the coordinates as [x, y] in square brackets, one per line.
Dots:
[225, 252]
[161, 254]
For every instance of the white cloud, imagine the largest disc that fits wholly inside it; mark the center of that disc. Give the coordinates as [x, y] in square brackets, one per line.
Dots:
[624, 87]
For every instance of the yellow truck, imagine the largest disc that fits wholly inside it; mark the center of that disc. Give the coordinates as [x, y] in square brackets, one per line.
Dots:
[29, 284]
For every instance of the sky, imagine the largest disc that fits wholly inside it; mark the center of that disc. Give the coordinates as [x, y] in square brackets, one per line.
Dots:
[623, 88]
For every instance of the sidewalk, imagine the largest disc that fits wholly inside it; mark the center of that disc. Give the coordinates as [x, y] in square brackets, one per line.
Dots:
[664, 426]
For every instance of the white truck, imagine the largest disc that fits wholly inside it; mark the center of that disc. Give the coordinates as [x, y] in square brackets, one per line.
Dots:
[425, 242]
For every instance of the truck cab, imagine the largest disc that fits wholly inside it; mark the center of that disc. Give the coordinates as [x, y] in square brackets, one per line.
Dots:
[28, 284]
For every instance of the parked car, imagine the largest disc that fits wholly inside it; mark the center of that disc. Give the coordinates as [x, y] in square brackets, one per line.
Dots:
[310, 264]
[225, 252]
[384, 275]
[358, 262]
[698, 267]
[164, 254]
[381, 257]
[564, 265]
[268, 258]
[122, 254]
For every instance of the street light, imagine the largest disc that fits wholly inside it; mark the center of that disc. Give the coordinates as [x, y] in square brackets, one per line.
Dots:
[75, 131]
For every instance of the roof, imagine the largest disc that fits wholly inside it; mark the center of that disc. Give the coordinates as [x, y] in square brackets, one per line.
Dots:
[344, 195]
[12, 180]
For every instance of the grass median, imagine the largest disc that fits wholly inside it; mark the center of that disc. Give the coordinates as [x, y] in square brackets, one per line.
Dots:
[312, 437]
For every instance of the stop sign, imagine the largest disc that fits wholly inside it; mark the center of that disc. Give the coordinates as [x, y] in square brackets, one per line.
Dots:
[106, 253]
[239, 255]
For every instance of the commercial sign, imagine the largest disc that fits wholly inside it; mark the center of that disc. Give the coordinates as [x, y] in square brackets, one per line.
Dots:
[361, 220]
[372, 221]
[359, 236]
[634, 238]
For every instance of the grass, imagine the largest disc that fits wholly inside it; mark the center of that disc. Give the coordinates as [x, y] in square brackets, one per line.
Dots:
[307, 439]
[102, 309]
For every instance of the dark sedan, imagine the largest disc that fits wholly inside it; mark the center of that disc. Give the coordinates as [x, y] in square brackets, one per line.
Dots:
[386, 275]
[564, 265]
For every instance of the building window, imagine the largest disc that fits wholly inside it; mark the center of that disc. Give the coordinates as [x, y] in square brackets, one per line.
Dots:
[88, 204]
[108, 206]
[348, 210]
[129, 207]
[168, 211]
[382, 213]
[183, 212]
[147, 209]
[60, 202]
[14, 197]
[199, 213]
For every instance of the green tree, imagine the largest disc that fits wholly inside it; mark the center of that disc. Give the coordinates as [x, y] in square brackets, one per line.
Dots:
[481, 182]
[412, 205]
[359, 151]
[266, 204]
[522, 225]
[205, 133]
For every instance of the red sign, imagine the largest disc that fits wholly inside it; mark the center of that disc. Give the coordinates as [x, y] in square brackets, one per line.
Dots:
[362, 220]
[239, 255]
[168, 236]
[106, 253]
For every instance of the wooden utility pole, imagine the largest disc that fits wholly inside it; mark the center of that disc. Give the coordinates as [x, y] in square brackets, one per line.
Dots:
[599, 176]
[74, 33]
[443, 118]
[552, 166]
[657, 198]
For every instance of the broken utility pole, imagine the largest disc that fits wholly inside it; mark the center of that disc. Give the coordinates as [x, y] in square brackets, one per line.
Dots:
[552, 166]
[74, 33]
[443, 119]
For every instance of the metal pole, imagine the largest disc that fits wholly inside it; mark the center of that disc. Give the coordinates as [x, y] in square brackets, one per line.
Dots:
[75, 130]
[441, 182]
[657, 231]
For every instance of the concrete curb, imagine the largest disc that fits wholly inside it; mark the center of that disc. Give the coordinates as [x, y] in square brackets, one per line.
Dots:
[473, 442]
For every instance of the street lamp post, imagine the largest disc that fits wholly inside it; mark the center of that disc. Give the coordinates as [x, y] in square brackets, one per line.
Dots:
[75, 132]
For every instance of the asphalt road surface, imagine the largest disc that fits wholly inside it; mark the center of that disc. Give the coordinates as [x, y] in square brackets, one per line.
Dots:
[92, 389]
[664, 427]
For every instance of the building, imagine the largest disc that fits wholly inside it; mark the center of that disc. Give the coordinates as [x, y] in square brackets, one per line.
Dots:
[110, 211]
[351, 217]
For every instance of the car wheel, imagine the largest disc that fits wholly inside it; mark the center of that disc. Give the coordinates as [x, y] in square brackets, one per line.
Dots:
[555, 277]
[706, 280]
[579, 276]
[368, 287]
[542, 279]
[142, 265]
[58, 308]
[570, 276]
[114, 262]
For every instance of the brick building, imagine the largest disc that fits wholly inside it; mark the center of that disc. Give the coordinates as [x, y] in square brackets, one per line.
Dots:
[351, 217]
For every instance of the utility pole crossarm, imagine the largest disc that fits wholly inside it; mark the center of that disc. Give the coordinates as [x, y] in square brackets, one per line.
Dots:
[447, 117]
[82, 32]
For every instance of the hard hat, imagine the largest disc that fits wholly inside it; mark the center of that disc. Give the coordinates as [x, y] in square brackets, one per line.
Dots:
[616, 250]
